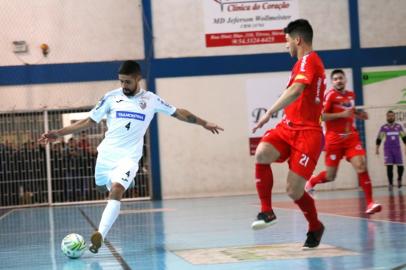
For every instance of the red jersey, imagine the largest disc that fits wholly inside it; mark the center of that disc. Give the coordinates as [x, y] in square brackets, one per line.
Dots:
[305, 111]
[336, 102]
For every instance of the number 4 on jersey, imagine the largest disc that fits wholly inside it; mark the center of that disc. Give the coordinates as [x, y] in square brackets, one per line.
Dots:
[128, 125]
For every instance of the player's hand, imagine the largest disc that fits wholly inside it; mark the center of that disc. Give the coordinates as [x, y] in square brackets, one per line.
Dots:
[362, 115]
[48, 137]
[347, 113]
[215, 129]
[264, 119]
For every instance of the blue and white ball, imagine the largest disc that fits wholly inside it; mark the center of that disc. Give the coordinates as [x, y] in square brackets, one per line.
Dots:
[73, 245]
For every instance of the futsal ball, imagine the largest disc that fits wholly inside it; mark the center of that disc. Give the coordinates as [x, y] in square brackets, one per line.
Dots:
[73, 245]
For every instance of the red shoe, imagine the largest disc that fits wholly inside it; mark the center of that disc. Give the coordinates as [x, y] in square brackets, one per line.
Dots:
[373, 208]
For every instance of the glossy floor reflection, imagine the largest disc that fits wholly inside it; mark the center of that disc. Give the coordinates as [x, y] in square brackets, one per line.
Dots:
[149, 235]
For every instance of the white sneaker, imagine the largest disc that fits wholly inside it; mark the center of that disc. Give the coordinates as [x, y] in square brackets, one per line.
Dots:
[309, 189]
[373, 208]
[264, 220]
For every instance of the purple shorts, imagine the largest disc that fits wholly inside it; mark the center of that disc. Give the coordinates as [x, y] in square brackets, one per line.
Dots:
[393, 156]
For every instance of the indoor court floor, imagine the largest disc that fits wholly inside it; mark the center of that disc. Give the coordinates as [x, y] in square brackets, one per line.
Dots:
[212, 234]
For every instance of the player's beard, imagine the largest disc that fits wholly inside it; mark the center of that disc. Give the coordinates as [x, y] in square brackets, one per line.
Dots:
[339, 87]
[129, 92]
[293, 51]
[390, 121]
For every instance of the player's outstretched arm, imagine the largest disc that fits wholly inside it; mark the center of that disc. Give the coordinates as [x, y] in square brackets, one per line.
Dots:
[288, 96]
[53, 135]
[186, 116]
[334, 116]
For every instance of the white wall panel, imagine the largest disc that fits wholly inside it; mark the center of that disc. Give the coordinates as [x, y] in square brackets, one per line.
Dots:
[76, 31]
[53, 96]
[382, 23]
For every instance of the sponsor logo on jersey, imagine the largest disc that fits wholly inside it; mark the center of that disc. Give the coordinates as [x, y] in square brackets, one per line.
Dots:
[333, 157]
[130, 115]
[118, 101]
[143, 104]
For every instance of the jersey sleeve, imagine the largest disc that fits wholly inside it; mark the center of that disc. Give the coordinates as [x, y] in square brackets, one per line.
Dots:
[306, 71]
[163, 107]
[381, 133]
[101, 109]
[328, 102]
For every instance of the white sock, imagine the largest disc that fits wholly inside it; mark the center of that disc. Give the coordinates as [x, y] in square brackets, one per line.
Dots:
[109, 216]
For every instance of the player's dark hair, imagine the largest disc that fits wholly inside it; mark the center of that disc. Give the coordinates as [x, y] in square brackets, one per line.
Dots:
[390, 111]
[129, 68]
[337, 71]
[300, 27]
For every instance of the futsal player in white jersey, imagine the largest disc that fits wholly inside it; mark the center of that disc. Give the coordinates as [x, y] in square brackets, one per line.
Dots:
[129, 111]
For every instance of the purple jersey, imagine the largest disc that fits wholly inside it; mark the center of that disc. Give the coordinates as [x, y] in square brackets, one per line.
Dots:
[391, 133]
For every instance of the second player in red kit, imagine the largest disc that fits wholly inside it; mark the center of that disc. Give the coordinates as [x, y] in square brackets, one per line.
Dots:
[298, 137]
[342, 139]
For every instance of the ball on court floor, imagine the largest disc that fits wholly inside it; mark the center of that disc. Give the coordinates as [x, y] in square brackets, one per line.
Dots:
[73, 245]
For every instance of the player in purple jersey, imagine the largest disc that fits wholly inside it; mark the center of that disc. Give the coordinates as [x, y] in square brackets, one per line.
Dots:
[392, 131]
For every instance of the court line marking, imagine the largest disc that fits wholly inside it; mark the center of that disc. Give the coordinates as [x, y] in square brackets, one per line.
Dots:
[337, 215]
[7, 213]
[151, 210]
[113, 251]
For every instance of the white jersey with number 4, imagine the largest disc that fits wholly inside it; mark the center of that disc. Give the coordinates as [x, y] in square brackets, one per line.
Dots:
[128, 119]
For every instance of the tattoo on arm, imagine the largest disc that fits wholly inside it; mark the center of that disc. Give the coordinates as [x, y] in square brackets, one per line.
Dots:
[191, 119]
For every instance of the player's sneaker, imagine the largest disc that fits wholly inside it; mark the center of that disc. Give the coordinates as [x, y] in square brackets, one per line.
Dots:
[96, 240]
[310, 189]
[264, 220]
[373, 208]
[313, 238]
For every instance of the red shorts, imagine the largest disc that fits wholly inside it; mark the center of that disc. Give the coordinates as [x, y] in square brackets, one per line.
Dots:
[301, 148]
[348, 146]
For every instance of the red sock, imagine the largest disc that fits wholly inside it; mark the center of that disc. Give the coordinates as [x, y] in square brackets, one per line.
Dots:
[318, 179]
[365, 183]
[264, 183]
[306, 204]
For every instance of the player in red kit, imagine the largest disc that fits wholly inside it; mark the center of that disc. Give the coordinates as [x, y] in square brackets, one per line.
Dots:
[342, 139]
[298, 137]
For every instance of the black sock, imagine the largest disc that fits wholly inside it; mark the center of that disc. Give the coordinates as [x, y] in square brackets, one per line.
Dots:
[389, 172]
[400, 174]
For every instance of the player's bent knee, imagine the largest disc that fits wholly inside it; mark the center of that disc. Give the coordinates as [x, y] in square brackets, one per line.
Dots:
[116, 192]
[266, 154]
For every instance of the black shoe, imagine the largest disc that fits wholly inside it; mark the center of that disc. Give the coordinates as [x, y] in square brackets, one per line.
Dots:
[264, 220]
[313, 238]
[96, 242]
[399, 184]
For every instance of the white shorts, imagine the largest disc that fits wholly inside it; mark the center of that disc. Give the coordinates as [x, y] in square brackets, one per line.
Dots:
[122, 172]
